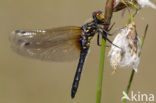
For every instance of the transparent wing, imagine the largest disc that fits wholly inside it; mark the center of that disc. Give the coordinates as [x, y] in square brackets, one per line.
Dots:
[57, 44]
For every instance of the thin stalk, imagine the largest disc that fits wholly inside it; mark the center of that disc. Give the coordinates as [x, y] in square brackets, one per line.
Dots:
[133, 71]
[132, 4]
[144, 36]
[129, 84]
[100, 76]
[108, 14]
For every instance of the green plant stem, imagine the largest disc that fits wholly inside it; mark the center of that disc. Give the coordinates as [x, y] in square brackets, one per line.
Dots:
[100, 76]
[129, 84]
[108, 15]
[131, 16]
[133, 71]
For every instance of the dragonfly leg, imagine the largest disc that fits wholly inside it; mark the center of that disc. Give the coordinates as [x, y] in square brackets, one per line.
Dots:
[111, 26]
[105, 37]
[105, 31]
[110, 34]
[98, 38]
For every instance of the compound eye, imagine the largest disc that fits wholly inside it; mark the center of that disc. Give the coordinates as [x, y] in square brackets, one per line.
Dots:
[100, 16]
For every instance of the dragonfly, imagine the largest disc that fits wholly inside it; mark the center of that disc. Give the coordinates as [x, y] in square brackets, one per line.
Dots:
[61, 43]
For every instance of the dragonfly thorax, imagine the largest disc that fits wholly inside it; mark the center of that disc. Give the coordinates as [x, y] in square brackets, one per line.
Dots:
[89, 30]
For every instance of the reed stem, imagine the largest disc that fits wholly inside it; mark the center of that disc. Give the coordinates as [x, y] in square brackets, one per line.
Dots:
[108, 15]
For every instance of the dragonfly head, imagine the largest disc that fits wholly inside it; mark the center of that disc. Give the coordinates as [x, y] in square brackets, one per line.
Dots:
[98, 17]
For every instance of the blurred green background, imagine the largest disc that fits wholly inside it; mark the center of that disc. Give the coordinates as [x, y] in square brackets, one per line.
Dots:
[24, 80]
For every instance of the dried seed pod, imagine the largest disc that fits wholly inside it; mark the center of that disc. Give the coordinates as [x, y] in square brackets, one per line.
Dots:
[130, 47]
[119, 5]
